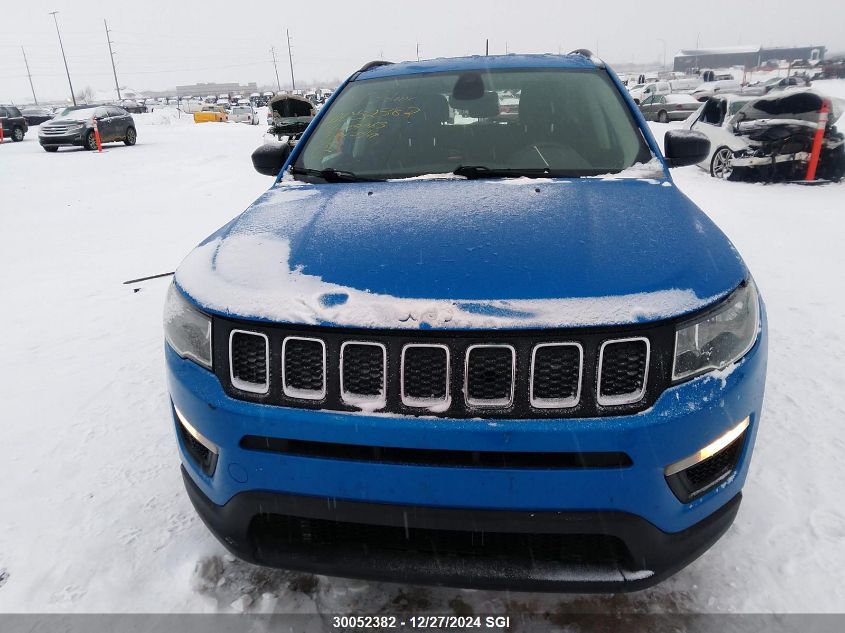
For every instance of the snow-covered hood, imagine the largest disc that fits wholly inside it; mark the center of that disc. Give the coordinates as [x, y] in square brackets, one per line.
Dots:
[464, 254]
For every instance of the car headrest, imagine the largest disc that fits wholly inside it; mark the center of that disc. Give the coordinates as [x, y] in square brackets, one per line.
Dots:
[482, 108]
[434, 108]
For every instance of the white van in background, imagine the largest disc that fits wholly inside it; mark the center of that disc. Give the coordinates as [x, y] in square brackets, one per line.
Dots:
[711, 88]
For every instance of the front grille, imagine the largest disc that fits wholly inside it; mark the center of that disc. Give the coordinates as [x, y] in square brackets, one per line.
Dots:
[304, 368]
[556, 375]
[622, 370]
[58, 130]
[249, 353]
[489, 374]
[425, 375]
[694, 481]
[362, 372]
[284, 532]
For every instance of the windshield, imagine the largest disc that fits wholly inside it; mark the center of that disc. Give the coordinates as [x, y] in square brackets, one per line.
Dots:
[539, 122]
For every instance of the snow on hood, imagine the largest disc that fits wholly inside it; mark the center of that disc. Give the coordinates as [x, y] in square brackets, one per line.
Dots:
[346, 255]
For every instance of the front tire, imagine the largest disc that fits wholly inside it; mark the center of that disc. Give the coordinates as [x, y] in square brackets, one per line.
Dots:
[662, 116]
[721, 165]
[131, 137]
[50, 148]
[17, 134]
[91, 141]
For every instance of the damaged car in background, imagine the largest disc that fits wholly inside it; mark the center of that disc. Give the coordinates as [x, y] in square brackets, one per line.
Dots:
[288, 116]
[771, 138]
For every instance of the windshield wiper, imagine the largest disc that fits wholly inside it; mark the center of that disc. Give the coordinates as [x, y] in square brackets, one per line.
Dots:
[480, 171]
[332, 175]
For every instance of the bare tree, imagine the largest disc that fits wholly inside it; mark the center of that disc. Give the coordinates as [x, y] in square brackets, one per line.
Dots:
[86, 95]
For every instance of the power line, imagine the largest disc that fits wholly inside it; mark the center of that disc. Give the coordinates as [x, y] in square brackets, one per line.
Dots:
[111, 54]
[290, 59]
[29, 74]
[273, 53]
[62, 46]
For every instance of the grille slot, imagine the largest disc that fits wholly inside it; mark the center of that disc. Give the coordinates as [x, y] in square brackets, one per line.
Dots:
[623, 371]
[489, 375]
[304, 368]
[425, 375]
[556, 370]
[248, 353]
[363, 373]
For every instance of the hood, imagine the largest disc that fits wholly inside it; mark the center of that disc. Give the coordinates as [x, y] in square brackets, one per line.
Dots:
[450, 253]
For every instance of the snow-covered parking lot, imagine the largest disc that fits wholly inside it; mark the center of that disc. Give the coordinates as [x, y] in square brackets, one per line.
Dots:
[93, 515]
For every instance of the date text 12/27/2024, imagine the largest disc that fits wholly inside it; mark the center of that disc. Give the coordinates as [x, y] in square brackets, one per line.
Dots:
[454, 622]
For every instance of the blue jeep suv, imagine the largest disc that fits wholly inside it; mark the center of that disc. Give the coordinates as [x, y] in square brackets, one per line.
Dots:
[472, 336]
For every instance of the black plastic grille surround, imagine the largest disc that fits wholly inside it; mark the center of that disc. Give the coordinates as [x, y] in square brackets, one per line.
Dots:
[362, 365]
[554, 376]
[694, 481]
[426, 371]
[622, 371]
[489, 374]
[304, 367]
[557, 371]
[249, 361]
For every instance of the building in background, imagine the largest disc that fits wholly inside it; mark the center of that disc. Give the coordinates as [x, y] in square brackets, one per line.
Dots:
[746, 56]
[204, 90]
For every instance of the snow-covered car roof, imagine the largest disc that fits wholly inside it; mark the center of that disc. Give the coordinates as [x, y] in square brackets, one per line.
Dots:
[680, 98]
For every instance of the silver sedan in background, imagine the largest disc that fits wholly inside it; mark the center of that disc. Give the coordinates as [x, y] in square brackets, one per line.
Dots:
[671, 107]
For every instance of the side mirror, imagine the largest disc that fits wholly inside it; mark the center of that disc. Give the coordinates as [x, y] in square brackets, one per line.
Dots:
[269, 159]
[685, 147]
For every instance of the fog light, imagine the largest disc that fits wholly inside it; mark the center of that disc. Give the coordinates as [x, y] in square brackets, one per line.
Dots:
[702, 471]
[199, 447]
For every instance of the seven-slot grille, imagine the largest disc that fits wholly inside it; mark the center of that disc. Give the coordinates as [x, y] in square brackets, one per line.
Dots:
[493, 374]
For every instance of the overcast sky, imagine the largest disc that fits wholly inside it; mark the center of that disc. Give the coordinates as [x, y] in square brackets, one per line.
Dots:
[161, 43]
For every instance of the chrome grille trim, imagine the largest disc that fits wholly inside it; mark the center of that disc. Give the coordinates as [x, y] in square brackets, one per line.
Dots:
[500, 403]
[422, 402]
[303, 394]
[552, 403]
[634, 396]
[251, 387]
[364, 401]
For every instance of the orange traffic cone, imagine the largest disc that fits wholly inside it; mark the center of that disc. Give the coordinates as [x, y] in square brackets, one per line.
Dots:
[817, 141]
[97, 137]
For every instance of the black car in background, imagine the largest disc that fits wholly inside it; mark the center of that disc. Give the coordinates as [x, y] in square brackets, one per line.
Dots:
[75, 126]
[13, 123]
[36, 115]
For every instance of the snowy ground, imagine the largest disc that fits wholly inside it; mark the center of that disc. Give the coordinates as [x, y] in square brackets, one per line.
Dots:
[94, 517]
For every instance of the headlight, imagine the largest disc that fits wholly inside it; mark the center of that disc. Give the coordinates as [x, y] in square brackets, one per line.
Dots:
[719, 338]
[186, 329]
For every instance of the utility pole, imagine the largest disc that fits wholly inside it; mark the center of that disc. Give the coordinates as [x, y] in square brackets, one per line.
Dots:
[290, 59]
[29, 74]
[487, 47]
[62, 46]
[418, 51]
[273, 53]
[111, 54]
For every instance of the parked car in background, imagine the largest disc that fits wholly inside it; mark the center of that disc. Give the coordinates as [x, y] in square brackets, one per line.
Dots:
[482, 379]
[643, 91]
[13, 123]
[76, 127]
[720, 86]
[771, 137]
[36, 115]
[211, 113]
[289, 115]
[671, 107]
[244, 114]
[132, 106]
[775, 84]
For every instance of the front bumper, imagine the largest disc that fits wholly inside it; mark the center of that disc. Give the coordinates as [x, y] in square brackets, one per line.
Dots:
[73, 138]
[634, 503]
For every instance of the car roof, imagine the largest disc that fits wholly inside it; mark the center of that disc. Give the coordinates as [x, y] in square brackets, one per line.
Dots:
[478, 62]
